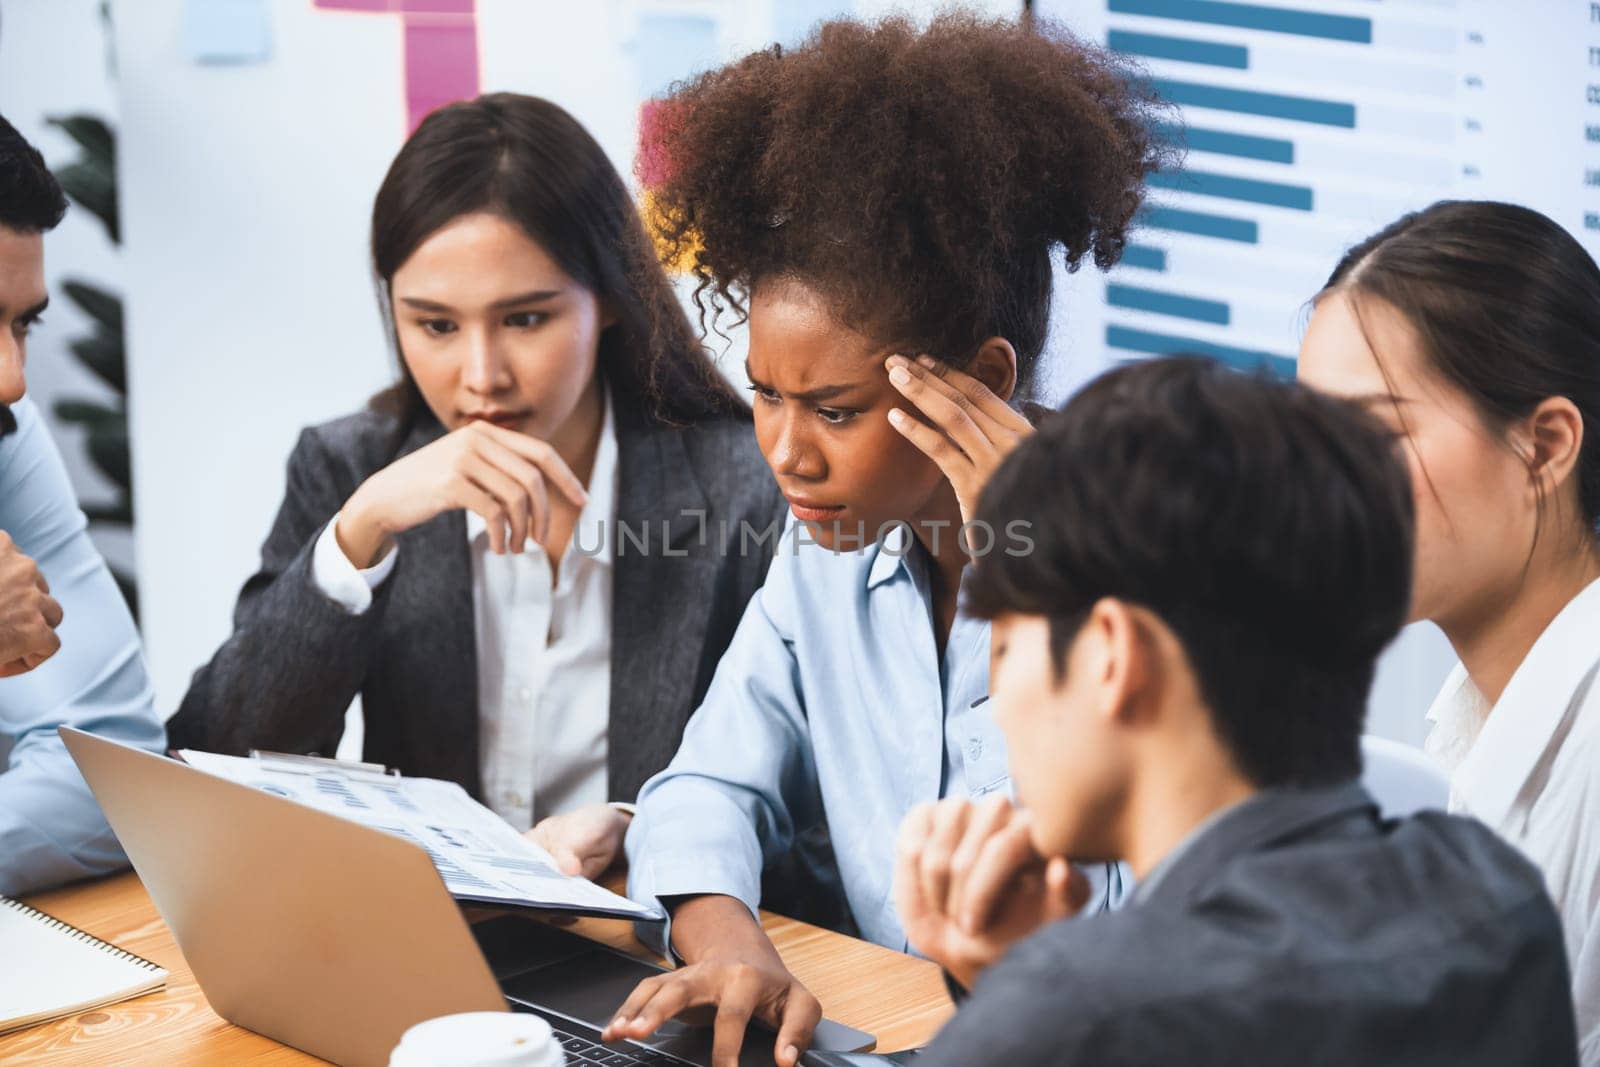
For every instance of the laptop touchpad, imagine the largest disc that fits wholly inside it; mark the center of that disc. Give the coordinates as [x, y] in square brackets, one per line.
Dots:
[589, 986]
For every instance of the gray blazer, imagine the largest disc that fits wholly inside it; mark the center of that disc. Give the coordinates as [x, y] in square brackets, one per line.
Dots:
[295, 660]
[1299, 930]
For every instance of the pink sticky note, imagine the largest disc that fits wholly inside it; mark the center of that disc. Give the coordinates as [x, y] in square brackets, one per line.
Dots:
[440, 54]
[441, 66]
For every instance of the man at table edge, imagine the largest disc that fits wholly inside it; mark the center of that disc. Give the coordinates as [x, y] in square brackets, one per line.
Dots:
[69, 652]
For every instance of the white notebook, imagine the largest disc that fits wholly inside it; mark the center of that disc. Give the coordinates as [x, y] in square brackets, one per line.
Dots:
[53, 970]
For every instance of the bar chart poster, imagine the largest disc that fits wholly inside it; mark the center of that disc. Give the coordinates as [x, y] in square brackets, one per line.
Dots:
[1308, 126]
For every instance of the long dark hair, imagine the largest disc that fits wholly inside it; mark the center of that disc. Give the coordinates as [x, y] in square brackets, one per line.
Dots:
[530, 162]
[1507, 306]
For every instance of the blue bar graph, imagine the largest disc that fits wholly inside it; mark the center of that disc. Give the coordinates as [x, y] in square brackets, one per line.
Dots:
[1249, 102]
[1182, 49]
[1137, 298]
[1160, 344]
[1228, 187]
[1252, 17]
[1201, 224]
[1144, 257]
[1225, 143]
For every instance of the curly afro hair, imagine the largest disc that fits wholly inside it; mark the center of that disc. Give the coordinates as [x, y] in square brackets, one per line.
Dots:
[918, 179]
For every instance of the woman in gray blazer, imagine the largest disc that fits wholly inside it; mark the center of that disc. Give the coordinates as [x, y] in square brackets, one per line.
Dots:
[528, 556]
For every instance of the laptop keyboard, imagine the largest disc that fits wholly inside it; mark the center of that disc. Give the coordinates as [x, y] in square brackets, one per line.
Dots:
[581, 1050]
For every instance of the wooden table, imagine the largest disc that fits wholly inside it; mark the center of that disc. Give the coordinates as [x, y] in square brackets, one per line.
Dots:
[900, 999]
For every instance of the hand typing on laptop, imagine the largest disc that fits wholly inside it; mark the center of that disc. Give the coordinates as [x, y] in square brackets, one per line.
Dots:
[732, 967]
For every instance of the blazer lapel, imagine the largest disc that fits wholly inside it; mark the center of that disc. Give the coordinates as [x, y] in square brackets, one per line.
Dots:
[442, 707]
[662, 598]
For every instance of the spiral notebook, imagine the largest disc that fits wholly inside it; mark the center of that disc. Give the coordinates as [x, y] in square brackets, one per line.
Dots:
[53, 970]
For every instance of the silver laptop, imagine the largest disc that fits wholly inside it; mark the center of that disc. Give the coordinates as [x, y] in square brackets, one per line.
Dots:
[334, 938]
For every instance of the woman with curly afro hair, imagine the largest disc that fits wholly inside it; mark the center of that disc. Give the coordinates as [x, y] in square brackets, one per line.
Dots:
[885, 204]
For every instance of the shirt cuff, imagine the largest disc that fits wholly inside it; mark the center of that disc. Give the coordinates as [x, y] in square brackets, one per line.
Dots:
[624, 807]
[657, 881]
[339, 580]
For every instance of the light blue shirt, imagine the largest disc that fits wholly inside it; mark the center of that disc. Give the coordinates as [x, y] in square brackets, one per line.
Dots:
[831, 700]
[51, 829]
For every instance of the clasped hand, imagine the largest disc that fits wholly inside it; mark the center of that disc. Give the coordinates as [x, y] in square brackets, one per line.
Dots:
[29, 615]
[969, 884]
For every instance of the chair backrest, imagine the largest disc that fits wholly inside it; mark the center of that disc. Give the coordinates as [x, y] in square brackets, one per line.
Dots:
[1402, 779]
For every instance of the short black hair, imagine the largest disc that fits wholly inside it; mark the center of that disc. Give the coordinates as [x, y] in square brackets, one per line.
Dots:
[31, 200]
[1270, 527]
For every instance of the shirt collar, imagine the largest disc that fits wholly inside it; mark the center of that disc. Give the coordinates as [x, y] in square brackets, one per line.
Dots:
[1267, 818]
[1147, 885]
[891, 555]
[592, 532]
[1455, 718]
[1529, 714]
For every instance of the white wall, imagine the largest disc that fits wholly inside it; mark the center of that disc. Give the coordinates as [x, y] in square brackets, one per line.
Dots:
[251, 312]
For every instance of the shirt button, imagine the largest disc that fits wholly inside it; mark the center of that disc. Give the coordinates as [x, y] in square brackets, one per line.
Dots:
[525, 695]
[974, 749]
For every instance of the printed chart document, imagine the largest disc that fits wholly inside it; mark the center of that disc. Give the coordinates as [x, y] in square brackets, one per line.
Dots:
[481, 858]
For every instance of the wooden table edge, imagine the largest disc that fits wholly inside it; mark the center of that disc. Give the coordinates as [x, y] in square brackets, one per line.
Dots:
[900, 999]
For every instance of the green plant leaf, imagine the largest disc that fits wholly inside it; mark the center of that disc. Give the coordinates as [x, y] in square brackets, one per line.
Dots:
[88, 413]
[119, 513]
[105, 355]
[91, 133]
[93, 186]
[101, 305]
[108, 447]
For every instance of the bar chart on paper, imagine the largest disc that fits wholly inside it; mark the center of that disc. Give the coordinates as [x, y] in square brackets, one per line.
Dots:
[1307, 126]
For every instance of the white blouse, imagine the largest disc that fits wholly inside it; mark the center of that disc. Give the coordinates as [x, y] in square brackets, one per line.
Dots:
[544, 651]
[1530, 769]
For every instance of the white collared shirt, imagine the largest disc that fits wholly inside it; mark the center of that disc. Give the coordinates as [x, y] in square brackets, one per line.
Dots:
[1530, 769]
[544, 651]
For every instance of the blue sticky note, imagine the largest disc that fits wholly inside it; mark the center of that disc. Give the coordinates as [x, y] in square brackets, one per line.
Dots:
[227, 31]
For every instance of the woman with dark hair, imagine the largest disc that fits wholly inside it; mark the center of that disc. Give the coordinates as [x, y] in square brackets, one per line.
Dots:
[512, 555]
[887, 205]
[1473, 330]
